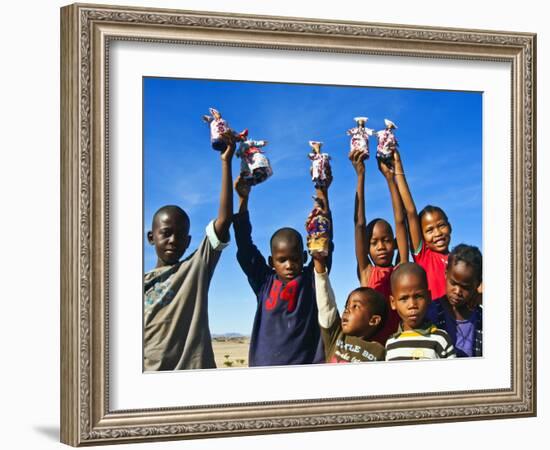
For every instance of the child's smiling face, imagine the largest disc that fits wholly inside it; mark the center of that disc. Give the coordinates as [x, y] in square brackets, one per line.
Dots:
[382, 244]
[410, 298]
[436, 231]
[462, 284]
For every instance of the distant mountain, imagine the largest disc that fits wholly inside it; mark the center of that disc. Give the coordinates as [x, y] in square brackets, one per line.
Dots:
[229, 335]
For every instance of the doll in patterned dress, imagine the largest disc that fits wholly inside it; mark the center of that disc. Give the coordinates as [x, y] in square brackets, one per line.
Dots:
[220, 132]
[387, 143]
[360, 137]
[318, 228]
[320, 165]
[255, 167]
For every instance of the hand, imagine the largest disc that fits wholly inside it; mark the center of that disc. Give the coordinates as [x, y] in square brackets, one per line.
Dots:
[357, 160]
[227, 154]
[386, 170]
[241, 187]
[319, 262]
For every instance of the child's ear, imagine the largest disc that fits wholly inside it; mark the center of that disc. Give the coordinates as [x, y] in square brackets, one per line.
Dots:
[270, 261]
[188, 242]
[479, 288]
[304, 257]
[392, 303]
[375, 320]
[150, 238]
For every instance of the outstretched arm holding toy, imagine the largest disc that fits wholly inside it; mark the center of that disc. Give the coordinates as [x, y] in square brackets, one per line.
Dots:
[415, 229]
[225, 211]
[360, 221]
[398, 213]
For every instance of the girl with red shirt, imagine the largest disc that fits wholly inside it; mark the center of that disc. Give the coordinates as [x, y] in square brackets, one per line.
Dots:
[375, 243]
[430, 234]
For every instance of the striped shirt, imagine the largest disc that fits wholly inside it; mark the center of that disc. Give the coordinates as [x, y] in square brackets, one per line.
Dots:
[427, 342]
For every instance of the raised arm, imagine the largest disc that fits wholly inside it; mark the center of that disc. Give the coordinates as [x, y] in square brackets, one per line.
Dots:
[225, 212]
[360, 221]
[398, 214]
[250, 259]
[415, 229]
[326, 301]
[322, 193]
[243, 191]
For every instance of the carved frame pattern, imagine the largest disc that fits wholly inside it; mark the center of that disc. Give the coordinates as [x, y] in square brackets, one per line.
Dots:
[86, 418]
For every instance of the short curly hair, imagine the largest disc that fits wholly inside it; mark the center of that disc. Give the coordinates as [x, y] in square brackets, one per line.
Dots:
[470, 255]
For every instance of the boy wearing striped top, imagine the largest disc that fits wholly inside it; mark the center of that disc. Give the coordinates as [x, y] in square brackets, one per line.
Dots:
[416, 337]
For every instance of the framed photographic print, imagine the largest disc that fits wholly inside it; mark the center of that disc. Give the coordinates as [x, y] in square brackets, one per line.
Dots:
[136, 84]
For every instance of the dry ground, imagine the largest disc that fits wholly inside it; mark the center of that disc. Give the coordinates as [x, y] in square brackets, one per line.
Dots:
[231, 352]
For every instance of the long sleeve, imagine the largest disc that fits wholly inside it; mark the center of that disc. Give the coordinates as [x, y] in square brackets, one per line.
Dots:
[249, 257]
[326, 301]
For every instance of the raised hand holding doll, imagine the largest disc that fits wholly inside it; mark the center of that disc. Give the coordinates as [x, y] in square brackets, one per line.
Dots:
[360, 137]
[220, 132]
[318, 228]
[387, 143]
[320, 165]
[255, 166]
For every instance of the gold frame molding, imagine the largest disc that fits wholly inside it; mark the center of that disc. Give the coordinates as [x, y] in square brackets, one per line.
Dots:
[86, 33]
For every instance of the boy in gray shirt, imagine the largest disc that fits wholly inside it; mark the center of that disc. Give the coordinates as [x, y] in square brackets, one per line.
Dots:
[176, 334]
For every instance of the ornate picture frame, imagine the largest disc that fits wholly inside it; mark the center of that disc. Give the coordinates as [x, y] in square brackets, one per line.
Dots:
[87, 32]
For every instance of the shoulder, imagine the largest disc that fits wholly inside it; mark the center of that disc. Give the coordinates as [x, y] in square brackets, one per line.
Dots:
[438, 334]
[377, 349]
[421, 249]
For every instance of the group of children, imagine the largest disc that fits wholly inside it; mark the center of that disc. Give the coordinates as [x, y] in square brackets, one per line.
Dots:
[429, 308]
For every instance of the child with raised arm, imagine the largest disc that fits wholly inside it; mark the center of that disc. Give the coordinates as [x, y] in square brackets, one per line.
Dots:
[285, 329]
[375, 244]
[348, 339]
[430, 234]
[459, 312]
[416, 337]
[176, 334]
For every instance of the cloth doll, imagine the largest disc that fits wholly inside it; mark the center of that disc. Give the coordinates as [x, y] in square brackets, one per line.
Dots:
[255, 167]
[360, 136]
[220, 131]
[387, 143]
[320, 165]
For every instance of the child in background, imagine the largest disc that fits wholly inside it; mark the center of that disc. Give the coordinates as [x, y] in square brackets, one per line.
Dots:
[459, 312]
[285, 330]
[348, 339]
[416, 338]
[430, 234]
[176, 334]
[375, 244]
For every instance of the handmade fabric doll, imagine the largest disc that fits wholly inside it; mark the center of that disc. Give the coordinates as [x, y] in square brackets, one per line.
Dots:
[320, 165]
[220, 130]
[387, 143]
[360, 137]
[318, 229]
[255, 166]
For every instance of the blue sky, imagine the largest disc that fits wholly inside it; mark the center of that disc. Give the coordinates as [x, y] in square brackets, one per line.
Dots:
[440, 139]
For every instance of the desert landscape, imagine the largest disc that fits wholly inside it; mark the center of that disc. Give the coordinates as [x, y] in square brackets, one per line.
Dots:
[230, 350]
